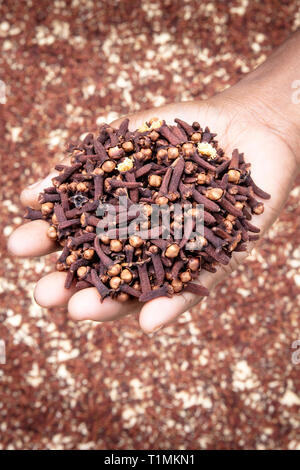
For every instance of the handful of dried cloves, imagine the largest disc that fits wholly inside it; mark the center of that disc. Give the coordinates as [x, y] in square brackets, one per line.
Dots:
[140, 214]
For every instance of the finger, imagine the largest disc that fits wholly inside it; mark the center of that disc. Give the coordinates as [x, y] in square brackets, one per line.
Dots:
[159, 312]
[86, 305]
[31, 240]
[50, 290]
[29, 195]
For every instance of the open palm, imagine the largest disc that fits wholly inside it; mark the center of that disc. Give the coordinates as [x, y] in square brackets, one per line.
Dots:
[273, 169]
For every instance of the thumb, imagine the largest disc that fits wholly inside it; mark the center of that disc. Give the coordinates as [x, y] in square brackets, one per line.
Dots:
[188, 111]
[29, 196]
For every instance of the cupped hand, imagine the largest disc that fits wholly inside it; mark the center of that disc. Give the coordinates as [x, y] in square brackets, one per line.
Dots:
[238, 126]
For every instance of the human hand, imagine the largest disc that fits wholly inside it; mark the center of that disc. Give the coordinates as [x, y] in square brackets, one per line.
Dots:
[241, 122]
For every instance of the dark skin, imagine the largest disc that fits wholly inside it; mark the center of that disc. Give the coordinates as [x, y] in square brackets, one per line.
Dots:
[260, 117]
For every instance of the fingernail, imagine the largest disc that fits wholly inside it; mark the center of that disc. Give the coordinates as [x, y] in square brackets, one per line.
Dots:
[157, 328]
[33, 185]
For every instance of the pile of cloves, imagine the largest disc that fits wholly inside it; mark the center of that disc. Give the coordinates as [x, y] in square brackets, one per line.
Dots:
[158, 164]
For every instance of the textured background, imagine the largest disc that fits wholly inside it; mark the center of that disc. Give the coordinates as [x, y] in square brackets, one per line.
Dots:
[222, 376]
